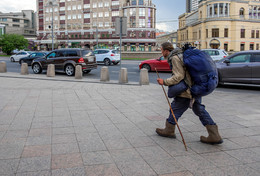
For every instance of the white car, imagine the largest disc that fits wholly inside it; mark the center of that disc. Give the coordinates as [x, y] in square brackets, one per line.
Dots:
[216, 54]
[107, 56]
[19, 55]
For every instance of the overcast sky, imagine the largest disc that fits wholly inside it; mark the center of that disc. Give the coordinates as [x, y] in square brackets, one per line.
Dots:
[167, 10]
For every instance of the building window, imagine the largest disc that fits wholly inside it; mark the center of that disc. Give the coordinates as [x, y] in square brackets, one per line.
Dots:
[86, 6]
[100, 14]
[133, 12]
[132, 22]
[69, 17]
[115, 3]
[141, 11]
[141, 48]
[61, 9]
[100, 4]
[79, 7]
[62, 17]
[215, 9]
[226, 32]
[106, 24]
[257, 34]
[242, 13]
[94, 15]
[74, 16]
[115, 13]
[141, 2]
[242, 34]
[141, 23]
[74, 7]
[106, 4]
[242, 47]
[100, 24]
[207, 33]
[252, 33]
[69, 8]
[225, 46]
[215, 32]
[251, 47]
[87, 15]
[94, 5]
[79, 16]
[221, 9]
[199, 34]
[106, 14]
[257, 46]
[133, 2]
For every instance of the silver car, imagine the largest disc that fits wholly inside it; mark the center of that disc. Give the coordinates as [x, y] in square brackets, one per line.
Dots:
[107, 56]
[241, 67]
[216, 54]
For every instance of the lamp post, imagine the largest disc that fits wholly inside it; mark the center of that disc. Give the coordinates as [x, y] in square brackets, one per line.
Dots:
[51, 3]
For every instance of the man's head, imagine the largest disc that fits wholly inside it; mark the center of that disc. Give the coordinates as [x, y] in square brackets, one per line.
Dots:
[166, 49]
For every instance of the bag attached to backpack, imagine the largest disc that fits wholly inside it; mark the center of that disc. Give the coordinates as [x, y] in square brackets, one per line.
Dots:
[202, 70]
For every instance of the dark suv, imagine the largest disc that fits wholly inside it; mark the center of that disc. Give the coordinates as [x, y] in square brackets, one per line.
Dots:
[66, 60]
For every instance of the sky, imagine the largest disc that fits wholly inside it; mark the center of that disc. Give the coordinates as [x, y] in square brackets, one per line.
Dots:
[167, 12]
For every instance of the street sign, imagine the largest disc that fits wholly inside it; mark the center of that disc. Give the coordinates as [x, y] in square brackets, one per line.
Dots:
[124, 25]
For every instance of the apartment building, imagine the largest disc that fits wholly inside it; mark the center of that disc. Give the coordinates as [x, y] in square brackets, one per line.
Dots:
[91, 24]
[23, 23]
[191, 5]
[227, 24]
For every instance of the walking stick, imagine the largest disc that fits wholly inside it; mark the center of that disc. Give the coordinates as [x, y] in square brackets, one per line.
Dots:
[172, 113]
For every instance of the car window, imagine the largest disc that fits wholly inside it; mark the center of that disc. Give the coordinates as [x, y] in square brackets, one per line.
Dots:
[256, 58]
[115, 51]
[224, 52]
[86, 53]
[95, 52]
[23, 53]
[102, 51]
[33, 55]
[60, 54]
[39, 54]
[242, 58]
[51, 55]
[71, 53]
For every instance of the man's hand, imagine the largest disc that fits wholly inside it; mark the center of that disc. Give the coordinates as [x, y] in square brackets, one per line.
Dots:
[160, 81]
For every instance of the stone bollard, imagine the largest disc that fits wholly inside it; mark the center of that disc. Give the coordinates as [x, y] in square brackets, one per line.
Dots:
[24, 69]
[51, 70]
[144, 77]
[123, 78]
[2, 67]
[104, 74]
[78, 72]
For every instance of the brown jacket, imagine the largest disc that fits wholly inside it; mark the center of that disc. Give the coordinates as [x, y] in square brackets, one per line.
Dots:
[179, 73]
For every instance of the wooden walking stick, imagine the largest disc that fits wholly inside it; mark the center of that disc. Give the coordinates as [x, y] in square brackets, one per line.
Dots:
[173, 113]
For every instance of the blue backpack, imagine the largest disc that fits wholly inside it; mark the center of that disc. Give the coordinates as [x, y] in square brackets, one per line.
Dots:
[202, 70]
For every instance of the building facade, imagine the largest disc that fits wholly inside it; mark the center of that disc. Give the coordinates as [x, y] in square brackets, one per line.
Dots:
[191, 5]
[168, 37]
[91, 24]
[23, 23]
[231, 25]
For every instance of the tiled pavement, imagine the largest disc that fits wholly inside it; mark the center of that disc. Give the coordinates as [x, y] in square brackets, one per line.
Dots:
[84, 128]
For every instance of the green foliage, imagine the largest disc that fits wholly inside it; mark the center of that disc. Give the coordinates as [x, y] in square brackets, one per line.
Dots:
[10, 42]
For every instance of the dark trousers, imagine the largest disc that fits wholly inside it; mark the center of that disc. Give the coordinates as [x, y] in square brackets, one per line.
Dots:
[180, 105]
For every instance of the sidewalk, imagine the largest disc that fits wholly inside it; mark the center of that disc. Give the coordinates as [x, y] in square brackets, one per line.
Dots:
[88, 128]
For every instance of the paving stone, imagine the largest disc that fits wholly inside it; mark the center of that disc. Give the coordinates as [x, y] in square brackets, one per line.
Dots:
[239, 170]
[102, 170]
[40, 132]
[75, 171]
[199, 147]
[153, 153]
[244, 155]
[65, 148]
[99, 157]
[36, 151]
[38, 140]
[34, 164]
[141, 141]
[245, 141]
[38, 173]
[125, 155]
[66, 138]
[182, 173]
[66, 161]
[8, 166]
[11, 151]
[113, 144]
[209, 172]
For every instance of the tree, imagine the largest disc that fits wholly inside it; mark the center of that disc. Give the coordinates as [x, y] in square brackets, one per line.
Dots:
[9, 42]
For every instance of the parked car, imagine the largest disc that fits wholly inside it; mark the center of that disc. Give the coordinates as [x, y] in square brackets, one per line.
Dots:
[19, 55]
[160, 64]
[216, 54]
[65, 60]
[107, 56]
[30, 58]
[241, 67]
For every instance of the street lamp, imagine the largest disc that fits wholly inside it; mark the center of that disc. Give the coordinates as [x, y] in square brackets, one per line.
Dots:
[52, 4]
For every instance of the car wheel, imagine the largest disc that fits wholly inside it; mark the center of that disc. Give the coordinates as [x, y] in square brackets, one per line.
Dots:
[69, 70]
[12, 59]
[36, 68]
[107, 61]
[146, 66]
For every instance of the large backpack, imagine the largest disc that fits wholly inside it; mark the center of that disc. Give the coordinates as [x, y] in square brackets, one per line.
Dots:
[202, 70]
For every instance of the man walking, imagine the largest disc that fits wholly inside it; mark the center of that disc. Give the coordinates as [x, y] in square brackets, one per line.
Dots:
[184, 100]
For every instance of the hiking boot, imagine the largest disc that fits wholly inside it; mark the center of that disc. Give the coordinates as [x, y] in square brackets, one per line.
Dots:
[168, 131]
[214, 137]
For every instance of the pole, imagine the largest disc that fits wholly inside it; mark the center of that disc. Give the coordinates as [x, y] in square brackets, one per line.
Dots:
[52, 44]
[97, 35]
[121, 30]
[172, 113]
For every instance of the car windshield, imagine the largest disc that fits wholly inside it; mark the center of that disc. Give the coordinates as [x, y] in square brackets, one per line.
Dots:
[86, 53]
[115, 51]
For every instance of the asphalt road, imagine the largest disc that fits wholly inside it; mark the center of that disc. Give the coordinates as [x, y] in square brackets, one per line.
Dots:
[131, 65]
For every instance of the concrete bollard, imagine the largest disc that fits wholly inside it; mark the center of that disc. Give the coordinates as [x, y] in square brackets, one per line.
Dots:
[104, 75]
[24, 69]
[2, 67]
[123, 78]
[51, 70]
[144, 77]
[78, 72]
